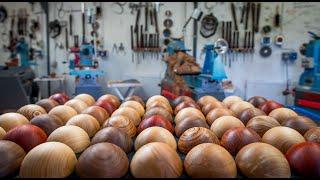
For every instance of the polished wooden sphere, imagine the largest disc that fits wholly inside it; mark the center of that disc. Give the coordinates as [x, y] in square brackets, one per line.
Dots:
[158, 111]
[299, 123]
[97, 112]
[224, 123]
[155, 120]
[48, 160]
[185, 104]
[304, 159]
[187, 112]
[261, 160]
[129, 112]
[86, 122]
[157, 103]
[102, 160]
[228, 101]
[157, 98]
[47, 104]
[238, 107]
[123, 123]
[2, 133]
[236, 138]
[12, 155]
[31, 110]
[205, 100]
[61, 98]
[115, 136]
[269, 106]
[47, 122]
[86, 98]
[73, 136]
[107, 105]
[256, 101]
[145, 162]
[27, 136]
[189, 122]
[250, 113]
[181, 99]
[63, 112]
[281, 114]
[313, 135]
[114, 100]
[135, 105]
[194, 136]
[209, 160]
[11, 120]
[135, 98]
[282, 138]
[216, 113]
[261, 124]
[212, 105]
[77, 105]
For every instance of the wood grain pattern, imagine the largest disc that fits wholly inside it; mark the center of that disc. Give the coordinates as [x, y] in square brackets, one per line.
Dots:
[185, 104]
[155, 98]
[61, 98]
[269, 106]
[111, 98]
[31, 110]
[250, 113]
[2, 133]
[228, 101]
[256, 101]
[181, 99]
[155, 120]
[224, 123]
[86, 98]
[123, 123]
[86, 122]
[10, 120]
[313, 135]
[189, 122]
[130, 113]
[238, 107]
[158, 111]
[47, 104]
[160, 104]
[205, 100]
[47, 122]
[261, 124]
[63, 112]
[299, 123]
[135, 105]
[281, 114]
[107, 105]
[77, 105]
[212, 105]
[136, 98]
[97, 112]
[187, 112]
[216, 113]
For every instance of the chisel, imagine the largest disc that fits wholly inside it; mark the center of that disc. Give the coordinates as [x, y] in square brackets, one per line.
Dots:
[258, 17]
[70, 24]
[146, 10]
[247, 16]
[243, 13]
[234, 16]
[253, 6]
[156, 19]
[131, 31]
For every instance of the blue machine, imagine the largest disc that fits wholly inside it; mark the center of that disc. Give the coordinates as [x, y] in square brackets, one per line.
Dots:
[22, 48]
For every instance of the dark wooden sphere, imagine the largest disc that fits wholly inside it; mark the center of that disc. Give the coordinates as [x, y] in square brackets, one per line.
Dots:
[145, 162]
[189, 122]
[250, 113]
[238, 107]
[10, 120]
[261, 160]
[102, 160]
[299, 123]
[224, 123]
[209, 160]
[281, 114]
[205, 100]
[47, 122]
[261, 124]
[256, 101]
[11, 157]
[123, 123]
[27, 136]
[107, 105]
[236, 138]
[228, 101]
[155, 120]
[63, 112]
[115, 136]
[313, 135]
[158, 111]
[114, 100]
[135, 98]
[61, 98]
[77, 105]
[269, 106]
[216, 113]
[181, 99]
[187, 112]
[86, 98]
[185, 104]
[98, 112]
[31, 110]
[47, 104]
[206, 108]
[194, 136]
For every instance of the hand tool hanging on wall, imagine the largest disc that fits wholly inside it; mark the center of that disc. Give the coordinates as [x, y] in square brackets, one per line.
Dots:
[247, 16]
[70, 24]
[156, 19]
[243, 11]
[277, 17]
[258, 17]
[245, 44]
[151, 17]
[253, 10]
[83, 23]
[3, 14]
[67, 39]
[54, 28]
[136, 28]
[131, 36]
[11, 32]
[209, 24]
[234, 16]
[146, 10]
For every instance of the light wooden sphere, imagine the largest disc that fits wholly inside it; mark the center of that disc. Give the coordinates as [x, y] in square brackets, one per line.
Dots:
[187, 112]
[228, 101]
[205, 100]
[11, 157]
[136, 98]
[281, 114]
[282, 138]
[129, 112]
[194, 136]
[97, 112]
[86, 98]
[261, 160]
[250, 113]
[216, 113]
[261, 124]
[2, 133]
[189, 122]
[135, 105]
[102, 160]
[48, 160]
[63, 112]
[239, 107]
[123, 123]
[313, 135]
[86, 122]
[10, 120]
[299, 123]
[224, 123]
[77, 105]
[145, 162]
[210, 160]
[111, 98]
[47, 122]
[212, 105]
[47, 104]
[158, 111]
[160, 104]
[31, 110]
[73, 136]
[157, 98]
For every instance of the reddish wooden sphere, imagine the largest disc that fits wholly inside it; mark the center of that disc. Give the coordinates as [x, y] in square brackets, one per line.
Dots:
[11, 120]
[48, 123]
[27, 136]
[256, 101]
[107, 105]
[205, 100]
[299, 123]
[250, 113]
[269, 106]
[181, 99]
[206, 108]
[304, 158]
[47, 104]
[236, 138]
[61, 98]
[155, 120]
[158, 111]
[216, 113]
[185, 104]
[114, 100]
[135, 98]
[281, 114]
[98, 112]
[261, 124]
[313, 135]
[189, 122]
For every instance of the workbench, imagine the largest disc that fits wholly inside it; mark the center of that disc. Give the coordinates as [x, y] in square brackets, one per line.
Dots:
[130, 84]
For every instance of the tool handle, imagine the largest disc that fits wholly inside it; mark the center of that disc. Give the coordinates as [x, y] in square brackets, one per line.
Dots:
[234, 16]
[136, 28]
[222, 30]
[249, 39]
[237, 44]
[243, 13]
[141, 37]
[156, 20]
[253, 7]
[247, 16]
[234, 40]
[146, 17]
[67, 39]
[70, 24]
[277, 18]
[245, 40]
[258, 17]
[83, 28]
[131, 33]
[151, 18]
[252, 41]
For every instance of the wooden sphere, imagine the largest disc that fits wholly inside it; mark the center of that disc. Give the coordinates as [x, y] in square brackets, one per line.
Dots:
[31, 110]
[299, 123]
[47, 122]
[189, 122]
[102, 160]
[224, 123]
[216, 113]
[107, 105]
[123, 123]
[77, 105]
[209, 160]
[86, 122]
[61, 98]
[86, 98]
[157, 98]
[97, 112]
[115, 136]
[145, 162]
[27, 136]
[73, 136]
[261, 160]
[256, 101]
[135, 105]
[282, 138]
[181, 99]
[185, 104]
[238, 107]
[63, 112]
[12, 155]
[236, 138]
[114, 100]
[10, 120]
[313, 135]
[250, 113]
[47, 104]
[205, 100]
[135, 98]
[281, 114]
[194, 136]
[228, 101]
[187, 112]
[158, 111]
[304, 159]
[48, 160]
[269, 106]
[212, 105]
[155, 120]
[129, 112]
[261, 124]
[2, 133]
[160, 104]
